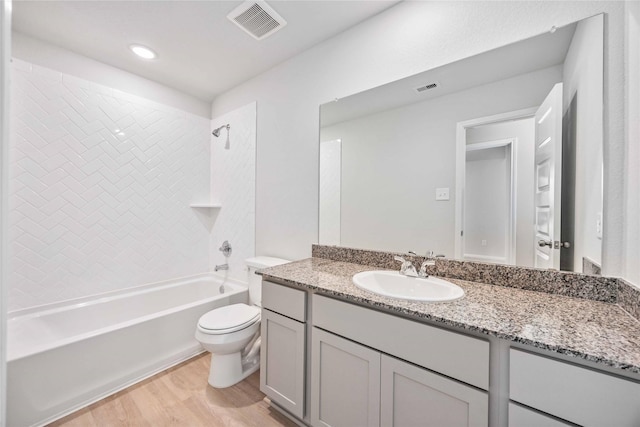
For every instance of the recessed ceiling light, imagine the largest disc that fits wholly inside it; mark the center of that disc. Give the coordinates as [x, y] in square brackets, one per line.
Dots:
[143, 51]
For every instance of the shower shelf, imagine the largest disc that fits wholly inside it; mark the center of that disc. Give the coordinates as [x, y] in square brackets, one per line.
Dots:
[206, 205]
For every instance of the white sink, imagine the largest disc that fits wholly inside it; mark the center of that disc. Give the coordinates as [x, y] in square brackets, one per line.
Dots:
[395, 285]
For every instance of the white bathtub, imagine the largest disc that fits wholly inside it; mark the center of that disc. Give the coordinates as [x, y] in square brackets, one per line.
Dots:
[62, 357]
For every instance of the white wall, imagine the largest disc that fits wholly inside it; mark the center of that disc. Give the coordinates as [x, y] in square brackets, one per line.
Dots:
[392, 163]
[5, 59]
[406, 39]
[45, 54]
[582, 74]
[330, 192]
[523, 131]
[100, 186]
[233, 186]
[632, 194]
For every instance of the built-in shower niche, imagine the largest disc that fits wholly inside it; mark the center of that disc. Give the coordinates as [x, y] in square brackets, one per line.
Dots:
[207, 213]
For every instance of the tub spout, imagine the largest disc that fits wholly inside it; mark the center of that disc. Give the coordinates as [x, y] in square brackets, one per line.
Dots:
[221, 267]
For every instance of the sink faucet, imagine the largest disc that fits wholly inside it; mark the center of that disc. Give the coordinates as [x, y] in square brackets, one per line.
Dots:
[407, 268]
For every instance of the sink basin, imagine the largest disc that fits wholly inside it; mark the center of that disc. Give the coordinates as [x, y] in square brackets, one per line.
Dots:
[395, 285]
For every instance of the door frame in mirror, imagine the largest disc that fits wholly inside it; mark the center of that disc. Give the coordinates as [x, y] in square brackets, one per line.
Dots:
[461, 151]
[509, 143]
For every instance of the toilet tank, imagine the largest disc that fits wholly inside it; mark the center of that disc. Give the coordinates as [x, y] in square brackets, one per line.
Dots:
[255, 280]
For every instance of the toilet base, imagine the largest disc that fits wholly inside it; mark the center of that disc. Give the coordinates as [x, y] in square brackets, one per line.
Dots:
[229, 369]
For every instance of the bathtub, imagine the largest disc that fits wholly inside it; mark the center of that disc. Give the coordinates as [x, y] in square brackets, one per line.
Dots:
[64, 356]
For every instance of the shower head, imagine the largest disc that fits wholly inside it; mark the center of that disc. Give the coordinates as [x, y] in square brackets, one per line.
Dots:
[216, 132]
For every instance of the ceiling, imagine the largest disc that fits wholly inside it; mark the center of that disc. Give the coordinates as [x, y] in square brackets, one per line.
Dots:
[200, 52]
[518, 58]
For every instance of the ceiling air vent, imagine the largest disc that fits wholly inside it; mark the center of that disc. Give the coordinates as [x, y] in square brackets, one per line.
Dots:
[257, 18]
[426, 87]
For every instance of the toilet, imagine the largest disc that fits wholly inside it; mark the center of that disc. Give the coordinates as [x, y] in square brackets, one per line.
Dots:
[232, 333]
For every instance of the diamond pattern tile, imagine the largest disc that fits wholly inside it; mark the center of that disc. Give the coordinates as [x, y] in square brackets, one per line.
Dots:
[100, 187]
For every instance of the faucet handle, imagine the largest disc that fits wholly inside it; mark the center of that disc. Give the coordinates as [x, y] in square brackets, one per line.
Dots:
[430, 260]
[407, 267]
[225, 249]
[427, 262]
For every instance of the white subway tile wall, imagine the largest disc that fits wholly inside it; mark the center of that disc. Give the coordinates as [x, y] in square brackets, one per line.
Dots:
[233, 177]
[101, 183]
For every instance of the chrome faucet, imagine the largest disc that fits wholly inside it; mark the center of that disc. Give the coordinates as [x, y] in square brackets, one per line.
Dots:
[221, 267]
[407, 268]
[225, 249]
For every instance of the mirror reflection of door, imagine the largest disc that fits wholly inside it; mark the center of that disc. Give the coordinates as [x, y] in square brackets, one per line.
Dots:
[490, 202]
[498, 189]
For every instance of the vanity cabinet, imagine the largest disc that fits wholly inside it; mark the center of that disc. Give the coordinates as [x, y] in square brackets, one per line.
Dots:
[356, 380]
[573, 393]
[282, 354]
[354, 385]
[334, 363]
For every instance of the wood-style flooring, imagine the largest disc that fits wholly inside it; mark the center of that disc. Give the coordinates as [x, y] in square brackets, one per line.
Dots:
[180, 396]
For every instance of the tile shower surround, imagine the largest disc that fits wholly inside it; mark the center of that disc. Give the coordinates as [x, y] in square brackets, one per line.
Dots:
[233, 184]
[597, 288]
[100, 187]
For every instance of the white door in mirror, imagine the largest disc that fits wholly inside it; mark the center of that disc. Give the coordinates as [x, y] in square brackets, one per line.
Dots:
[395, 285]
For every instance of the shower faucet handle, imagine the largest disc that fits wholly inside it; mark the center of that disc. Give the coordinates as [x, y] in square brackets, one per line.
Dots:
[225, 249]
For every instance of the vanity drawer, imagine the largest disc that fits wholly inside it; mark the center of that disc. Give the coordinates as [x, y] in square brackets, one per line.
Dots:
[520, 416]
[284, 300]
[457, 356]
[573, 393]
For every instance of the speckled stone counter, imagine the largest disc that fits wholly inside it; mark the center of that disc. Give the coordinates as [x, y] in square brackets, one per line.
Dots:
[591, 330]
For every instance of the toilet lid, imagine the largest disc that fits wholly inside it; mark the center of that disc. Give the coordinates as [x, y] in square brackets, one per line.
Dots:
[229, 318]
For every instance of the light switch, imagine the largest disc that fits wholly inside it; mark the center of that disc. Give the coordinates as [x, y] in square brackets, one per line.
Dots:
[442, 193]
[599, 226]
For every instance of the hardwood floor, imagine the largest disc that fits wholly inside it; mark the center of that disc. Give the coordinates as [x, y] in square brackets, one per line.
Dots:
[180, 396]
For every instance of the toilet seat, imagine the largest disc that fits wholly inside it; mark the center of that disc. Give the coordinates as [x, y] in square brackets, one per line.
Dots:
[230, 318]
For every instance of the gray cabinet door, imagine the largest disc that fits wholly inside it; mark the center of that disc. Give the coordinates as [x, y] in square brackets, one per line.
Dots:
[412, 396]
[345, 379]
[282, 361]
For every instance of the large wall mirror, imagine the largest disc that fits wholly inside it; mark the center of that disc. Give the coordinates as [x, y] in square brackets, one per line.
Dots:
[494, 158]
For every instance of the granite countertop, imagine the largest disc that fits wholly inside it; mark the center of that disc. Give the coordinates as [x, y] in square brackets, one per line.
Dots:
[591, 330]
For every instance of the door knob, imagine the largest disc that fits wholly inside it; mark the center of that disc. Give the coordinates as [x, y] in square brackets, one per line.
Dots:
[543, 243]
[555, 245]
